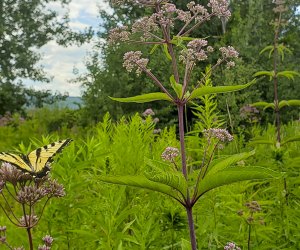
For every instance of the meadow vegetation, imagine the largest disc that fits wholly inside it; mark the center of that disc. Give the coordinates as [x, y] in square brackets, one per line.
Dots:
[224, 175]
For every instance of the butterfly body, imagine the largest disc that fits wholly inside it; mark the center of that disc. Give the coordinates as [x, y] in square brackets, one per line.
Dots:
[37, 162]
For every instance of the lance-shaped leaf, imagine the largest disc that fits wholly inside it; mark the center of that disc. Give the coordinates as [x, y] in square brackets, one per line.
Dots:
[270, 47]
[166, 50]
[288, 74]
[265, 105]
[176, 86]
[225, 163]
[291, 139]
[261, 141]
[151, 97]
[265, 73]
[284, 103]
[204, 90]
[141, 182]
[172, 179]
[232, 175]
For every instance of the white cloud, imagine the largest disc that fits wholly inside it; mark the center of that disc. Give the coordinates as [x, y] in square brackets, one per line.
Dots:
[59, 61]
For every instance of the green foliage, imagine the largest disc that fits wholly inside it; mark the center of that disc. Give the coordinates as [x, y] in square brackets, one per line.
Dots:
[144, 98]
[206, 112]
[94, 215]
[25, 27]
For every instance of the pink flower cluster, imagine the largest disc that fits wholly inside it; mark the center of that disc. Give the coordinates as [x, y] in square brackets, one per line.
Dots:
[194, 52]
[148, 112]
[118, 34]
[218, 133]
[231, 246]
[220, 8]
[170, 154]
[133, 60]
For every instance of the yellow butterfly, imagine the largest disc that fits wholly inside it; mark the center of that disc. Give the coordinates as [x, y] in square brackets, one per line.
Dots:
[37, 162]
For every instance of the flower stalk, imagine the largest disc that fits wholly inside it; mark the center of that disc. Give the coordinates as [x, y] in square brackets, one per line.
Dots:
[196, 50]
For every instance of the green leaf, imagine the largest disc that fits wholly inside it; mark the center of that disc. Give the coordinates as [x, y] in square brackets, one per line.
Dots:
[175, 180]
[265, 73]
[284, 103]
[165, 46]
[176, 86]
[89, 235]
[270, 47]
[288, 74]
[232, 175]
[265, 105]
[185, 244]
[291, 139]
[261, 141]
[158, 96]
[154, 48]
[204, 90]
[221, 165]
[140, 182]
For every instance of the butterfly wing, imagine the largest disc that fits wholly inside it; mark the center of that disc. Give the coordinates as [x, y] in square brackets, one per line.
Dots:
[16, 160]
[39, 158]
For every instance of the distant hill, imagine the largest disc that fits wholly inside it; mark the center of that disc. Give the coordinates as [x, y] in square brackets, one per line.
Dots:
[71, 102]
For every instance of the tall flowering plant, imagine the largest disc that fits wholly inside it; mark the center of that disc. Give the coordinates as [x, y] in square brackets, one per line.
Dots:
[180, 48]
[23, 200]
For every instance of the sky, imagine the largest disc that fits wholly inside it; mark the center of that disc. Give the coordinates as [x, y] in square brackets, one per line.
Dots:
[59, 62]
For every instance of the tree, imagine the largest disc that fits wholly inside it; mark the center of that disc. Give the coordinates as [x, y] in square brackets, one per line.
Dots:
[246, 31]
[25, 26]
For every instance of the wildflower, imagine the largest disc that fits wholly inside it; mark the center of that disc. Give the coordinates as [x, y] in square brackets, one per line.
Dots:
[220, 8]
[132, 60]
[196, 44]
[230, 64]
[210, 49]
[170, 154]
[253, 206]
[118, 34]
[156, 120]
[148, 112]
[169, 8]
[184, 16]
[240, 212]
[229, 52]
[48, 240]
[54, 189]
[2, 234]
[31, 194]
[44, 247]
[231, 246]
[157, 131]
[10, 173]
[197, 9]
[29, 221]
[218, 133]
[145, 25]
[2, 184]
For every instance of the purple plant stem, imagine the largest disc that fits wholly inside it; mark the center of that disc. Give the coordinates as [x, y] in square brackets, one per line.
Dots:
[189, 212]
[189, 205]
[180, 108]
[30, 238]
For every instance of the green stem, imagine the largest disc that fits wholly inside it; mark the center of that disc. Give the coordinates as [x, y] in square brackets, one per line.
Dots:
[249, 236]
